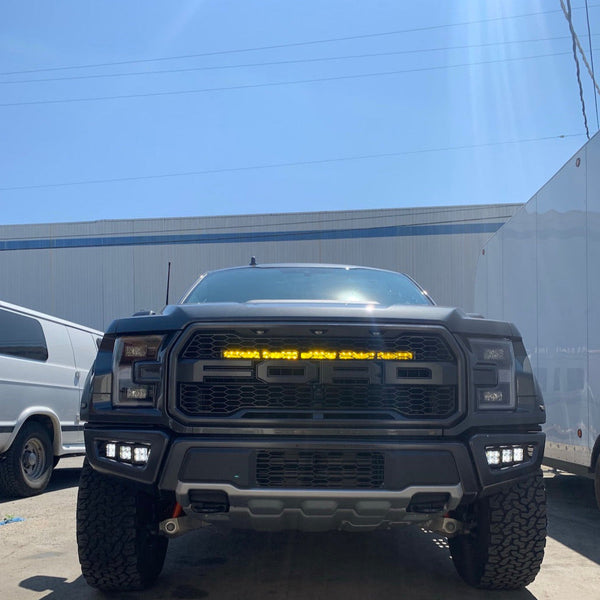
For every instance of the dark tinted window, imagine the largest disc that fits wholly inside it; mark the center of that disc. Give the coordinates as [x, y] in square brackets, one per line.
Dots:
[22, 336]
[307, 283]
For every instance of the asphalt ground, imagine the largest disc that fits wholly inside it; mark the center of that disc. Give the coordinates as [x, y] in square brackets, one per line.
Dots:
[38, 557]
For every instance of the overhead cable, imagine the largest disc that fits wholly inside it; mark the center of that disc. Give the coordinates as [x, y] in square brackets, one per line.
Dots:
[583, 56]
[276, 83]
[286, 45]
[280, 165]
[567, 11]
[587, 18]
[286, 62]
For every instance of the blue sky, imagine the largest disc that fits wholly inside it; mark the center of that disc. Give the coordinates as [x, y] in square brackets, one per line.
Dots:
[446, 102]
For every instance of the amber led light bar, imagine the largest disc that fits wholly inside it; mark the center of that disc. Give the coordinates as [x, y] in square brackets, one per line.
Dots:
[293, 354]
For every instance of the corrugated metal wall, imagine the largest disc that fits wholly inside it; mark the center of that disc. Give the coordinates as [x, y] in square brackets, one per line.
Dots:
[94, 272]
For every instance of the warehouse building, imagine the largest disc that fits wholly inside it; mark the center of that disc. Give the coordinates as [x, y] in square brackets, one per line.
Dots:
[94, 272]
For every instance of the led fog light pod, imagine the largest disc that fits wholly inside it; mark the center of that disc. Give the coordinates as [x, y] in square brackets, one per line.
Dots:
[493, 457]
[110, 450]
[507, 455]
[141, 454]
[125, 452]
[518, 454]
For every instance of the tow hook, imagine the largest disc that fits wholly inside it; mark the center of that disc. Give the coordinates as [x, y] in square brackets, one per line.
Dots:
[446, 526]
[179, 525]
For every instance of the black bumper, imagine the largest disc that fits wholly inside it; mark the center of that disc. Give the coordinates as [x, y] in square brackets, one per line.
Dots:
[239, 463]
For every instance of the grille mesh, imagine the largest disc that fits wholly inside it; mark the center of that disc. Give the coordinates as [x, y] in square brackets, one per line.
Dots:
[225, 399]
[345, 388]
[319, 469]
[210, 345]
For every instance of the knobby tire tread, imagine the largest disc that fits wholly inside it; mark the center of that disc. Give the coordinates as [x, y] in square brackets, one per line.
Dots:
[117, 551]
[507, 549]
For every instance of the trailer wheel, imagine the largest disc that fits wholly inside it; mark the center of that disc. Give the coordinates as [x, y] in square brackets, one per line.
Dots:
[505, 547]
[27, 465]
[119, 549]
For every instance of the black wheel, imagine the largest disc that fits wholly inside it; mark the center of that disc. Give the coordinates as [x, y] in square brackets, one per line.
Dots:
[119, 548]
[27, 465]
[505, 547]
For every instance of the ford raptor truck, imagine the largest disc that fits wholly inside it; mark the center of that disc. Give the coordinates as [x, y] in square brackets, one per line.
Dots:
[311, 397]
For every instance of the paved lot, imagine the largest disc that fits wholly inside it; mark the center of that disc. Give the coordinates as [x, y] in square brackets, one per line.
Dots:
[39, 557]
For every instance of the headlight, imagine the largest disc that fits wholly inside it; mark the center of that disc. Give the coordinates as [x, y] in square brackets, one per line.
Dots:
[494, 374]
[137, 370]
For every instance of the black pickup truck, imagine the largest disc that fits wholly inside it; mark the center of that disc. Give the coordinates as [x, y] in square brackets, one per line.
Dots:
[311, 397]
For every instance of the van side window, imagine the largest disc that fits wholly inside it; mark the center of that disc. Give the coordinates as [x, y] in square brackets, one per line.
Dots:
[22, 336]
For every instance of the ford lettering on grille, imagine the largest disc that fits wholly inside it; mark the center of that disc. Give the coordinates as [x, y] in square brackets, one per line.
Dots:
[400, 376]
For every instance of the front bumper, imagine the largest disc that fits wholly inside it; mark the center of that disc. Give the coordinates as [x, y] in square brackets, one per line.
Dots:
[315, 484]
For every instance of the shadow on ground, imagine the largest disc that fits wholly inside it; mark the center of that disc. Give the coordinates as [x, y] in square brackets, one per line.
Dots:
[409, 563]
[63, 478]
[573, 515]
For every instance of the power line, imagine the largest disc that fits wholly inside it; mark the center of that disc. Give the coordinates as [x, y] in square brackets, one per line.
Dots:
[587, 18]
[583, 57]
[287, 62]
[286, 45]
[567, 12]
[275, 83]
[280, 165]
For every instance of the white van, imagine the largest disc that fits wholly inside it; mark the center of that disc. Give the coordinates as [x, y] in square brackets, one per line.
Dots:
[44, 362]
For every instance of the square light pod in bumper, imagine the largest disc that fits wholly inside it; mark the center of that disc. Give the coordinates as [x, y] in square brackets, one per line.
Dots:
[132, 454]
[503, 457]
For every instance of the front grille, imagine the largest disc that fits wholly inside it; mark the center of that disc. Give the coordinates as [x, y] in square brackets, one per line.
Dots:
[220, 399]
[207, 385]
[308, 469]
[210, 345]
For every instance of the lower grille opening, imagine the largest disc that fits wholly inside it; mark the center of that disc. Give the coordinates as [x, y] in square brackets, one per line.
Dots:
[209, 501]
[308, 469]
[428, 503]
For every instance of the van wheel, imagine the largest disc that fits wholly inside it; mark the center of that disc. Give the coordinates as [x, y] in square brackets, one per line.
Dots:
[27, 465]
[117, 533]
[505, 547]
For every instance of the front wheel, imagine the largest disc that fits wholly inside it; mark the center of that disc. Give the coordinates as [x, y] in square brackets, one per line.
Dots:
[119, 549]
[505, 547]
[26, 467]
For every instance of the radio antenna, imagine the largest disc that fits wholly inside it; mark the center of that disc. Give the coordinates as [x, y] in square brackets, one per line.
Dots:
[168, 281]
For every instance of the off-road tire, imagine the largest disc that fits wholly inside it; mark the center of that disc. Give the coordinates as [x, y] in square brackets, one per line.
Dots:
[26, 467]
[505, 547]
[119, 549]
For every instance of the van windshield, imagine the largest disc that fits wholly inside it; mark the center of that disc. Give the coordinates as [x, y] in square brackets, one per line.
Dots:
[330, 284]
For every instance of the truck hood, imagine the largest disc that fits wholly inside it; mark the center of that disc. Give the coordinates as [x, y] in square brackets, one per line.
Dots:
[176, 317]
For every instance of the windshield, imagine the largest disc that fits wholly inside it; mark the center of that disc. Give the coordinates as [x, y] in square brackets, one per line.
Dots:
[347, 285]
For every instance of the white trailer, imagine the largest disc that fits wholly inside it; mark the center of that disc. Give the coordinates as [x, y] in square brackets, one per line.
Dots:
[541, 270]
